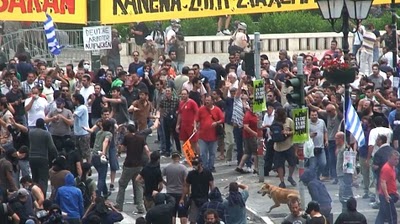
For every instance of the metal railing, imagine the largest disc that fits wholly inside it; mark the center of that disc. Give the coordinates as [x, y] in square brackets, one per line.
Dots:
[35, 43]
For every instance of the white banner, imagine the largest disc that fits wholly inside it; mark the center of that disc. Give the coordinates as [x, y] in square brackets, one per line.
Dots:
[97, 38]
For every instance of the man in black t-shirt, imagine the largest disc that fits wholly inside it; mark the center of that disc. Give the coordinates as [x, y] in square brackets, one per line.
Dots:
[139, 31]
[114, 57]
[152, 178]
[136, 149]
[200, 182]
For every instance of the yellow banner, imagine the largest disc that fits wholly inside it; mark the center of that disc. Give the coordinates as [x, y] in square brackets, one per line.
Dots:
[62, 11]
[127, 11]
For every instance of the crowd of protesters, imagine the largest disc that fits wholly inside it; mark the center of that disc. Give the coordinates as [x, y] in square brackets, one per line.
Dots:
[56, 124]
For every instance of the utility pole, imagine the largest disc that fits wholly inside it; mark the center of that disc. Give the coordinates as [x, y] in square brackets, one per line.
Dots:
[94, 20]
[300, 151]
[394, 37]
[257, 71]
[257, 53]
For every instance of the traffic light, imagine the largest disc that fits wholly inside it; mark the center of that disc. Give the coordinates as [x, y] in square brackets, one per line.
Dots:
[297, 94]
[249, 64]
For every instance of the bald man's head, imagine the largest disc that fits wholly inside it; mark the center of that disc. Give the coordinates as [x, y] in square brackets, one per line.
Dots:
[331, 110]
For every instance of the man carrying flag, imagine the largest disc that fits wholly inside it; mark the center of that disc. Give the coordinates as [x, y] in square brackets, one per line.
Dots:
[346, 156]
[353, 124]
[186, 123]
[50, 32]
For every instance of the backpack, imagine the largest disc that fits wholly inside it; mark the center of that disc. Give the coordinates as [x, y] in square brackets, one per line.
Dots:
[276, 129]
[84, 188]
[158, 37]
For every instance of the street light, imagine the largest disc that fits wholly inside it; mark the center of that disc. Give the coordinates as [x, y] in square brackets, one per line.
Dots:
[332, 10]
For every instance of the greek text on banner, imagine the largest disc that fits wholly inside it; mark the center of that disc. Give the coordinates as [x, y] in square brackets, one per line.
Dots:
[126, 11]
[259, 96]
[301, 125]
[62, 11]
[97, 38]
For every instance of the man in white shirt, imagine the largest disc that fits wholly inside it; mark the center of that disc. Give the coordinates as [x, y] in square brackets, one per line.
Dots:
[232, 82]
[319, 135]
[358, 39]
[35, 107]
[373, 135]
[269, 154]
[86, 90]
[171, 33]
[188, 85]
[367, 50]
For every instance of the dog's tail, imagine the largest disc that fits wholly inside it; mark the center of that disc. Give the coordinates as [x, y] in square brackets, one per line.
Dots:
[293, 196]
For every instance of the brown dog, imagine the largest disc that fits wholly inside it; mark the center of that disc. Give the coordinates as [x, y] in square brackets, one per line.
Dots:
[278, 195]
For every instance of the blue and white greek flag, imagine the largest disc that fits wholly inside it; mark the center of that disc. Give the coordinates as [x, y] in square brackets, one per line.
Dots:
[353, 124]
[50, 32]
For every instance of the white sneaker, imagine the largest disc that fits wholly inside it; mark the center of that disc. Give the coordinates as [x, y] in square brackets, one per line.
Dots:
[219, 33]
[227, 32]
[248, 169]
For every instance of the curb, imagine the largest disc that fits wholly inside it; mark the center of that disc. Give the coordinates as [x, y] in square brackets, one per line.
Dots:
[253, 215]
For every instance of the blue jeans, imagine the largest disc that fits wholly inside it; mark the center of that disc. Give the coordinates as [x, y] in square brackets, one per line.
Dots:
[318, 162]
[113, 63]
[238, 136]
[179, 66]
[112, 157]
[161, 135]
[207, 153]
[21, 119]
[387, 211]
[375, 57]
[101, 169]
[332, 158]
[24, 167]
[345, 191]
[356, 48]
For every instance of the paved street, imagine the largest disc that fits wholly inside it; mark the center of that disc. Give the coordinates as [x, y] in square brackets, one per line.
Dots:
[257, 205]
[224, 175]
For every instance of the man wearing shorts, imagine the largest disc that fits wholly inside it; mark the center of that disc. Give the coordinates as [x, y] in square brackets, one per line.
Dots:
[186, 122]
[226, 31]
[250, 122]
[284, 151]
[175, 174]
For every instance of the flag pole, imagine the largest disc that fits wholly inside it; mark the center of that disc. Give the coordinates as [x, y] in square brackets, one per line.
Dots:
[346, 102]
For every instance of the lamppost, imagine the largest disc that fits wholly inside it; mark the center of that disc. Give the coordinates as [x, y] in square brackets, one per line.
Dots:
[332, 10]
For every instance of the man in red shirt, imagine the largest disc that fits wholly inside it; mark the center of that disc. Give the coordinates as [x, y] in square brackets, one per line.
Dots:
[209, 116]
[388, 194]
[186, 121]
[250, 123]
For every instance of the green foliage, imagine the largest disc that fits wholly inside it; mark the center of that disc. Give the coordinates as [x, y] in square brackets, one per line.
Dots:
[292, 22]
[199, 26]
